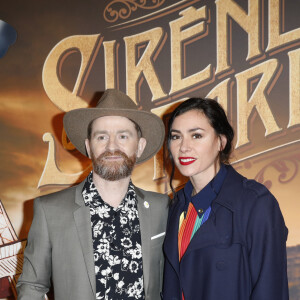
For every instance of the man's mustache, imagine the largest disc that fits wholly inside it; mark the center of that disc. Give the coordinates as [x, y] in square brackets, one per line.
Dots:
[112, 153]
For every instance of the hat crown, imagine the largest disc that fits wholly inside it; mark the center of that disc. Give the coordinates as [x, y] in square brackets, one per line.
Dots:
[114, 99]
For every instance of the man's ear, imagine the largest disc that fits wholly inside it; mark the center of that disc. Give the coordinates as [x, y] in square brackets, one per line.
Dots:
[141, 146]
[87, 146]
[223, 142]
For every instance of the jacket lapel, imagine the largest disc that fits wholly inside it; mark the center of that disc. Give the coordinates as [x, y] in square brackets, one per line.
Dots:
[83, 225]
[219, 232]
[206, 235]
[170, 246]
[145, 225]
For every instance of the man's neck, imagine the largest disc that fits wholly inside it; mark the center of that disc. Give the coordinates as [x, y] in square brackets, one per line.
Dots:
[112, 192]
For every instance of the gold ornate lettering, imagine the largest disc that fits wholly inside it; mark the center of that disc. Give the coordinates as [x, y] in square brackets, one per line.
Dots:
[109, 60]
[256, 101]
[178, 36]
[145, 64]
[249, 22]
[294, 80]
[52, 175]
[277, 39]
[88, 47]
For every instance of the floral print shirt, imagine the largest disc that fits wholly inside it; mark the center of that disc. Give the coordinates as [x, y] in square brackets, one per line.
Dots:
[117, 245]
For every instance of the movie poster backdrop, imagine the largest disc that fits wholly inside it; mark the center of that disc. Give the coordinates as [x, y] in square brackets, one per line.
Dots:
[61, 55]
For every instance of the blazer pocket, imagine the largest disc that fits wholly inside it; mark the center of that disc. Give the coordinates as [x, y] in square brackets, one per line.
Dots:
[157, 239]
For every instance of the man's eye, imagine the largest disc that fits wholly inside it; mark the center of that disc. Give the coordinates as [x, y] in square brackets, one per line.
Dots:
[123, 137]
[101, 137]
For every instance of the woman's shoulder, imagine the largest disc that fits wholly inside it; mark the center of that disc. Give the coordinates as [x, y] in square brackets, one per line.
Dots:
[254, 204]
[251, 191]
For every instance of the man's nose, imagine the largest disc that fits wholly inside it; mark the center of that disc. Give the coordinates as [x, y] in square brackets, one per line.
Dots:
[111, 144]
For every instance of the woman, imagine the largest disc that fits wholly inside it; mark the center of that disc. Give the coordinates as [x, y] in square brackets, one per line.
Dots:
[226, 237]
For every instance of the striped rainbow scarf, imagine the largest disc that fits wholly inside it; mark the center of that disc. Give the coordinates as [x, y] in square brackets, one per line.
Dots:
[188, 227]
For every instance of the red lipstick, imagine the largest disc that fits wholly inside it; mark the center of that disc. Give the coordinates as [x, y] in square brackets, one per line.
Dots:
[186, 160]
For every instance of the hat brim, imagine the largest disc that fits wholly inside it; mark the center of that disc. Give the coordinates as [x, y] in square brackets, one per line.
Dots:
[76, 123]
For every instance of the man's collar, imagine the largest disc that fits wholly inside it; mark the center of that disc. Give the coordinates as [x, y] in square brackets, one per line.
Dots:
[92, 197]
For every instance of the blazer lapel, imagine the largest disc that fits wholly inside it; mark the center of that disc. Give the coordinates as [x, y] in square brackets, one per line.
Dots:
[84, 230]
[145, 225]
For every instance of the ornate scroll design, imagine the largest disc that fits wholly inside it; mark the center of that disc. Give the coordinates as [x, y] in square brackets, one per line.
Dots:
[287, 168]
[51, 173]
[122, 9]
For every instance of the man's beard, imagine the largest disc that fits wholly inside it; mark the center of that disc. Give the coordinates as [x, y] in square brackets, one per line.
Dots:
[113, 170]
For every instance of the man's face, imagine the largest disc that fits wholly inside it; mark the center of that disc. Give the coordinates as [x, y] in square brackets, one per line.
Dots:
[114, 146]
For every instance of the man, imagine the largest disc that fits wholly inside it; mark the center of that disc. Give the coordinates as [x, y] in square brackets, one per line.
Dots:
[101, 239]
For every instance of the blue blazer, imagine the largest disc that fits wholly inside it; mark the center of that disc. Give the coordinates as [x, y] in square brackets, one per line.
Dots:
[239, 253]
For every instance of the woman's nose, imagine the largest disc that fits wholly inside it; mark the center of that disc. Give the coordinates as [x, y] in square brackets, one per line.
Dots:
[184, 145]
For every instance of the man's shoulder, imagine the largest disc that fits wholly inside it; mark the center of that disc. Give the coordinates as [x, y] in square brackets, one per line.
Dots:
[153, 197]
[153, 194]
[60, 196]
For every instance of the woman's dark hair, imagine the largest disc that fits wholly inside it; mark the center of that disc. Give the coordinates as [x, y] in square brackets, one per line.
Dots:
[217, 119]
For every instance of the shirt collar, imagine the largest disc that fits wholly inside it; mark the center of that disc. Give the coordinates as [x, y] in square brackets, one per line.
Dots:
[92, 198]
[204, 198]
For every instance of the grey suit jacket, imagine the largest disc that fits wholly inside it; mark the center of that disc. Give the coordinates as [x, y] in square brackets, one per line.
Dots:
[60, 246]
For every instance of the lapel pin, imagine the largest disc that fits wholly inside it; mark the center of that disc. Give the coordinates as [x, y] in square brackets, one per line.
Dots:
[146, 204]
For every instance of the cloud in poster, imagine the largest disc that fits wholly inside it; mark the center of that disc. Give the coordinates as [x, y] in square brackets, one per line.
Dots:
[18, 149]
[8, 36]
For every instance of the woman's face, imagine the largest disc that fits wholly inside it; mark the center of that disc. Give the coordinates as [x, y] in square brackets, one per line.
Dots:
[195, 146]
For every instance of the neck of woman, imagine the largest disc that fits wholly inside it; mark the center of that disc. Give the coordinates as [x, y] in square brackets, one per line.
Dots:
[201, 180]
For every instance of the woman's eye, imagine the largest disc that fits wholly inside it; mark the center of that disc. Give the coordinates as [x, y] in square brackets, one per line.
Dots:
[197, 136]
[174, 137]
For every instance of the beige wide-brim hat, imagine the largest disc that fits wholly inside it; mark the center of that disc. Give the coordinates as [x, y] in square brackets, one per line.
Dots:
[115, 103]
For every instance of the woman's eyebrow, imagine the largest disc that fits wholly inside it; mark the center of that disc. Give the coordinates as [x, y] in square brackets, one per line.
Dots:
[195, 129]
[190, 130]
[175, 130]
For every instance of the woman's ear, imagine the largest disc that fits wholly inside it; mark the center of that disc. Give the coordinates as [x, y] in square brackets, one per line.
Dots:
[223, 142]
